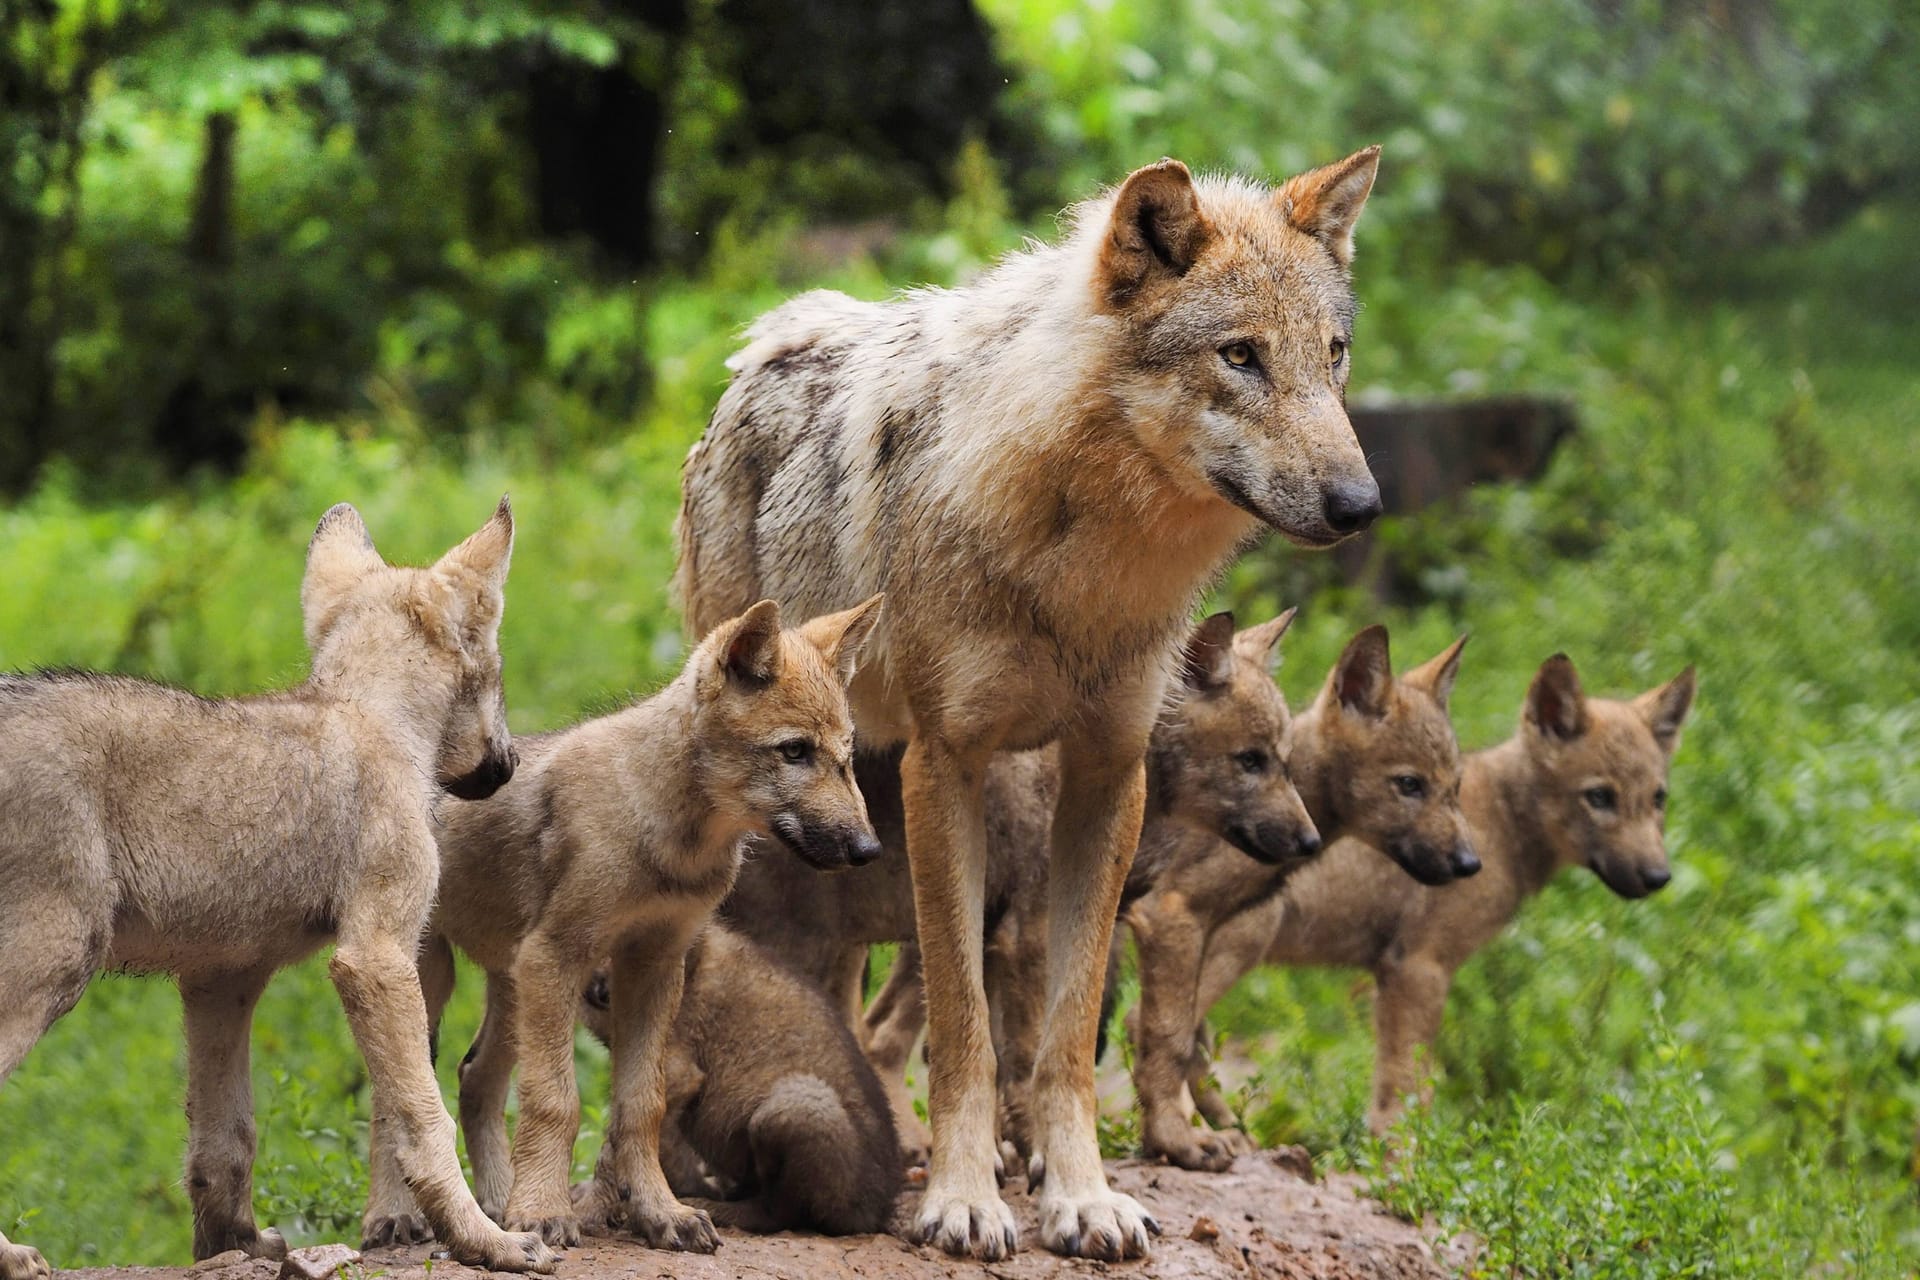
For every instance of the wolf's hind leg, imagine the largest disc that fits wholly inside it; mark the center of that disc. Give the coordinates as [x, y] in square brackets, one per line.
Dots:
[485, 1075]
[892, 1027]
[392, 1216]
[220, 1142]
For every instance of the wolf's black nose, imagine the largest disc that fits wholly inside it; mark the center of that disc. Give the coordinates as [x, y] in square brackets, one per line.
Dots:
[1464, 862]
[1655, 878]
[1352, 505]
[1310, 844]
[863, 848]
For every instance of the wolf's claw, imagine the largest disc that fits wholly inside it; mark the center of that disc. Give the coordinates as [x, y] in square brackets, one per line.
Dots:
[1109, 1226]
[984, 1230]
[23, 1262]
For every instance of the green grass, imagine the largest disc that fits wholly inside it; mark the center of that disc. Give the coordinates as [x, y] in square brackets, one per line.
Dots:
[1721, 1080]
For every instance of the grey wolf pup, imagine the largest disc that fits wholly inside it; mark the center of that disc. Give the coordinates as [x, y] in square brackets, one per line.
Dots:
[618, 838]
[144, 828]
[1042, 471]
[1583, 783]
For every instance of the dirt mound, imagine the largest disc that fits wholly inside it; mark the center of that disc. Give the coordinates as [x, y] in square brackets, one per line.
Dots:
[1260, 1220]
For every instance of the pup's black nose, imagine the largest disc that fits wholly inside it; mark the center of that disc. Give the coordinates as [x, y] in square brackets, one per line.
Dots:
[1310, 844]
[863, 847]
[1352, 505]
[1655, 878]
[1464, 861]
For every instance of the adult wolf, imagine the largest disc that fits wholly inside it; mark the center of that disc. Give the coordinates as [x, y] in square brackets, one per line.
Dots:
[145, 828]
[1042, 470]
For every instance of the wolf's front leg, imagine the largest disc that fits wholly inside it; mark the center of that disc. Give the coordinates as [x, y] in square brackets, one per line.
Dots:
[649, 970]
[962, 1210]
[220, 1143]
[373, 970]
[1096, 827]
[547, 980]
[486, 1073]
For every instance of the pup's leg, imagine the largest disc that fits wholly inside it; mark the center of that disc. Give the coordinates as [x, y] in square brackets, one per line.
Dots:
[1170, 939]
[547, 980]
[1096, 828]
[1233, 950]
[846, 983]
[1409, 999]
[220, 1142]
[1016, 980]
[379, 986]
[893, 1027]
[485, 1075]
[392, 1216]
[649, 971]
[947, 845]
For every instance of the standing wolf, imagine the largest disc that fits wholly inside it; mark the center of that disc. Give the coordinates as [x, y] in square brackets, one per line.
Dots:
[1042, 471]
[144, 828]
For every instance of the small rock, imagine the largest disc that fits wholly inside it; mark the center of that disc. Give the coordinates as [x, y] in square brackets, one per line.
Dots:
[1205, 1230]
[1297, 1161]
[231, 1258]
[317, 1262]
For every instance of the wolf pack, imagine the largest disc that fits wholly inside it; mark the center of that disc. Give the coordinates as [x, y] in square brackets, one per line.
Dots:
[942, 554]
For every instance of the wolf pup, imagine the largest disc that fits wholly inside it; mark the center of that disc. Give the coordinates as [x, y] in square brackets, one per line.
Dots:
[768, 1090]
[1042, 470]
[144, 828]
[618, 838]
[1376, 761]
[1582, 783]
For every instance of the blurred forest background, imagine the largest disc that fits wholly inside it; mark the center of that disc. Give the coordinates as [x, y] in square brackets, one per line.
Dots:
[256, 258]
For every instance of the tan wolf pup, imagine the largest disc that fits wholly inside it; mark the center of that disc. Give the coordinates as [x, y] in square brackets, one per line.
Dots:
[1376, 761]
[1582, 783]
[218, 840]
[1042, 470]
[618, 837]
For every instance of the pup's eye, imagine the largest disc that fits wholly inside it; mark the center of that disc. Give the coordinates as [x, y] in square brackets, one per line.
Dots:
[1239, 355]
[1338, 350]
[1660, 798]
[1602, 798]
[1410, 785]
[1253, 761]
[796, 751]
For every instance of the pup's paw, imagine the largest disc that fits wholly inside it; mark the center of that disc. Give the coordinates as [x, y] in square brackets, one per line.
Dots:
[561, 1230]
[23, 1262]
[967, 1226]
[510, 1251]
[1107, 1225]
[1194, 1149]
[675, 1226]
[388, 1230]
[1238, 1141]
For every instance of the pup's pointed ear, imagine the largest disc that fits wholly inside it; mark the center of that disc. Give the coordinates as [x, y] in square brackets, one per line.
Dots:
[841, 636]
[1363, 678]
[1261, 644]
[1436, 675]
[1665, 709]
[487, 551]
[340, 553]
[747, 648]
[1156, 229]
[1555, 705]
[1207, 662]
[1326, 202]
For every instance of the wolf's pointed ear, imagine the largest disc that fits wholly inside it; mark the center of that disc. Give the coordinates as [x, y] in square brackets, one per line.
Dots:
[340, 553]
[1665, 709]
[1363, 678]
[1555, 705]
[841, 636]
[1437, 673]
[1156, 229]
[747, 648]
[1326, 202]
[1207, 662]
[487, 551]
[1261, 644]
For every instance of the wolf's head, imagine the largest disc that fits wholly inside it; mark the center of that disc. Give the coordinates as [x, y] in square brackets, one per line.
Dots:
[423, 644]
[775, 734]
[1236, 314]
[1219, 755]
[1600, 774]
[1389, 761]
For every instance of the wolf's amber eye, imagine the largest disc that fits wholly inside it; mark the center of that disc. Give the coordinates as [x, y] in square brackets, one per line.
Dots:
[1601, 798]
[1251, 761]
[1239, 355]
[1409, 785]
[1338, 350]
[796, 751]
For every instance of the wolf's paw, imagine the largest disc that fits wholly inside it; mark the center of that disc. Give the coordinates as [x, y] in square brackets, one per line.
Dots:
[509, 1251]
[1238, 1141]
[390, 1230]
[23, 1262]
[1107, 1225]
[1195, 1149]
[674, 1226]
[977, 1227]
[559, 1229]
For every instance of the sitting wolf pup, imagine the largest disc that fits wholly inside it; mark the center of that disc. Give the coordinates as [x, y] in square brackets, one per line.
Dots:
[1583, 783]
[618, 838]
[767, 1088]
[218, 840]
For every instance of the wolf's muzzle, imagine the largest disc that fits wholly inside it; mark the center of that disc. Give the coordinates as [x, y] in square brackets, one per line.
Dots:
[493, 772]
[1351, 505]
[1430, 866]
[1272, 843]
[824, 846]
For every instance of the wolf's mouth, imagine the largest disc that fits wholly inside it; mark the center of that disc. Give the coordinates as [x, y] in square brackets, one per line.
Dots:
[1233, 491]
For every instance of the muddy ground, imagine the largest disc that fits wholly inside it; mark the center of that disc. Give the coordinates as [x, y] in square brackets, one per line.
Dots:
[1259, 1221]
